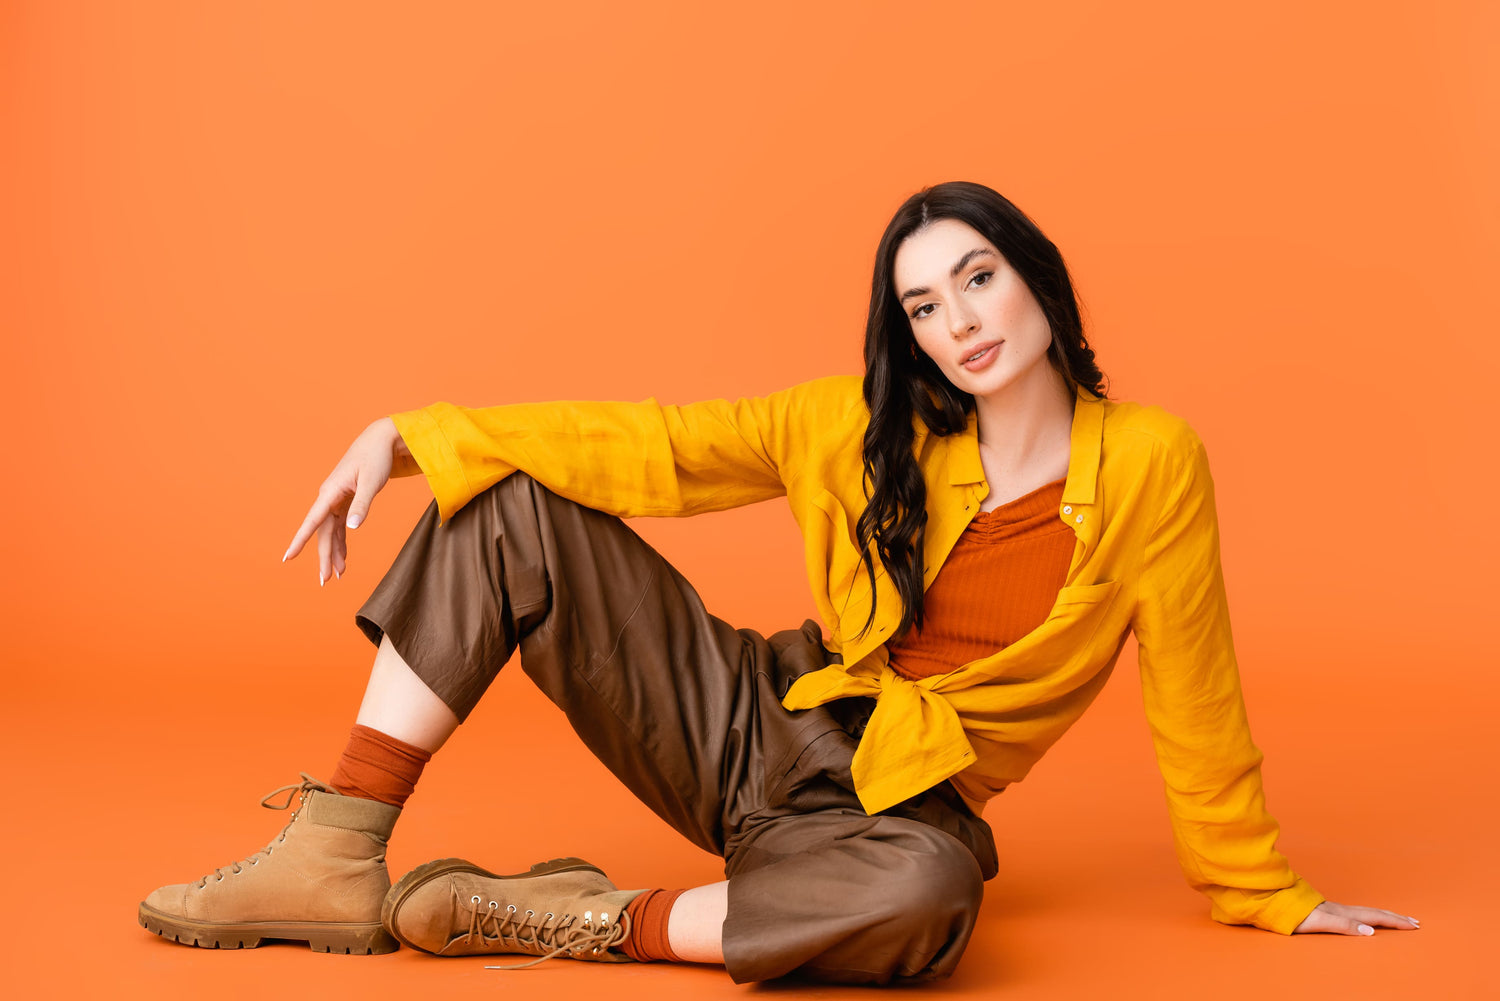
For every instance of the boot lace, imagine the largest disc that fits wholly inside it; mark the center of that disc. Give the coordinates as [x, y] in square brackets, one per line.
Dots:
[294, 789]
[505, 930]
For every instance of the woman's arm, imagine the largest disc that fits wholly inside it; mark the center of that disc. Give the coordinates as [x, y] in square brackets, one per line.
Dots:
[1224, 836]
[403, 463]
[627, 459]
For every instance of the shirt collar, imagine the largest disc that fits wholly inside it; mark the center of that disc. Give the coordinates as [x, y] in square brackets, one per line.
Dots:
[1083, 461]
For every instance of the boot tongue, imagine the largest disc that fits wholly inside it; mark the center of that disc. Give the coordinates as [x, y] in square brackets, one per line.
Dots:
[573, 938]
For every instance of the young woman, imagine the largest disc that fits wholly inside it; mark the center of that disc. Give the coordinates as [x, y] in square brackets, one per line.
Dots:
[983, 529]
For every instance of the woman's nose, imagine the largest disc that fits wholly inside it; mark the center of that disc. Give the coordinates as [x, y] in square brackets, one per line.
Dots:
[961, 322]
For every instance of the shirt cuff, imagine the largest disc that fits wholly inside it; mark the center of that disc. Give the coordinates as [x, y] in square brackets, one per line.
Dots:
[435, 456]
[1280, 911]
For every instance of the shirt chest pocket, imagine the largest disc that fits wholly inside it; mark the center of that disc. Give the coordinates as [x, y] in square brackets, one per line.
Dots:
[1066, 646]
[1084, 594]
[1079, 612]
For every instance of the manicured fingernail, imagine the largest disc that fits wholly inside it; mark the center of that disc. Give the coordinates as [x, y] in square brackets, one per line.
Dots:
[336, 573]
[1414, 921]
[1366, 930]
[320, 578]
[354, 521]
[285, 555]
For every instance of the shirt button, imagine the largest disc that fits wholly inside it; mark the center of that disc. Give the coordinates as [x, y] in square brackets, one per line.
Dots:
[1067, 509]
[1079, 519]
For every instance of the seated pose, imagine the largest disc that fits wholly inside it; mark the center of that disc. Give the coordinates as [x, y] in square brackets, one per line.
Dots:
[983, 527]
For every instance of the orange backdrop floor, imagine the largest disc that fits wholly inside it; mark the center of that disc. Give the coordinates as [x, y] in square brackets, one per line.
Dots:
[1089, 902]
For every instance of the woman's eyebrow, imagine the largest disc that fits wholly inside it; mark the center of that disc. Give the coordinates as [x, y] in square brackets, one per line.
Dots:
[976, 252]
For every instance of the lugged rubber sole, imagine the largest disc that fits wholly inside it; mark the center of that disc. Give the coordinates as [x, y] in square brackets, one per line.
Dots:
[437, 868]
[353, 939]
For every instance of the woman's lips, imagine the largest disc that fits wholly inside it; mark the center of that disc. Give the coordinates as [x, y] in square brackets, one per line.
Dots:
[984, 359]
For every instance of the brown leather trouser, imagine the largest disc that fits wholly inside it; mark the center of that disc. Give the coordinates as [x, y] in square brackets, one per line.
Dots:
[686, 711]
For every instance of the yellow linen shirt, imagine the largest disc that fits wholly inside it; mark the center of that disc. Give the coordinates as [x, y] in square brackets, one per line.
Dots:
[1138, 496]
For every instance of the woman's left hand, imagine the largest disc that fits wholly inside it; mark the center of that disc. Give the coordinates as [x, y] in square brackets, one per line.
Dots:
[1344, 919]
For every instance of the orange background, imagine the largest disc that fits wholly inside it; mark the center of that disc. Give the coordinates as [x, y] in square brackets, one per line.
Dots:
[234, 234]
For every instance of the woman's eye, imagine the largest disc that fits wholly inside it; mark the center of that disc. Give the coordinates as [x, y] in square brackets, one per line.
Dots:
[917, 313]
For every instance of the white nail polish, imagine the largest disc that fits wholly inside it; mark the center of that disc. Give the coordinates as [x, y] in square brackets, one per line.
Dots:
[1366, 930]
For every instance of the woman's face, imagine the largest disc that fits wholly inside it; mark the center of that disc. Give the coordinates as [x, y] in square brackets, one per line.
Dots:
[962, 297]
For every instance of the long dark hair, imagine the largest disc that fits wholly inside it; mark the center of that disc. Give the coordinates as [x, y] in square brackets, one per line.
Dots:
[902, 381]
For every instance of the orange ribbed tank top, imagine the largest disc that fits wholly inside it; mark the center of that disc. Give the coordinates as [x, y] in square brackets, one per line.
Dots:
[998, 583]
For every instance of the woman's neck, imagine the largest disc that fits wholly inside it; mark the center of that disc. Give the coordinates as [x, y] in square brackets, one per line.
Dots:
[1026, 424]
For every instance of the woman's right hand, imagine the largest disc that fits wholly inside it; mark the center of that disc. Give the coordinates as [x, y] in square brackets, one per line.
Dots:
[376, 455]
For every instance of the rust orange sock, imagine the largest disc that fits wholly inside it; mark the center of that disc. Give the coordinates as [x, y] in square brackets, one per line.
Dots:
[648, 926]
[377, 766]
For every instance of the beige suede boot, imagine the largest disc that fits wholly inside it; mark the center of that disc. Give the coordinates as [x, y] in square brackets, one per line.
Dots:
[565, 907]
[321, 881]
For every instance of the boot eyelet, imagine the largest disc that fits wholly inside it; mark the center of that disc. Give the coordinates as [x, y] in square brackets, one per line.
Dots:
[474, 899]
[511, 908]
